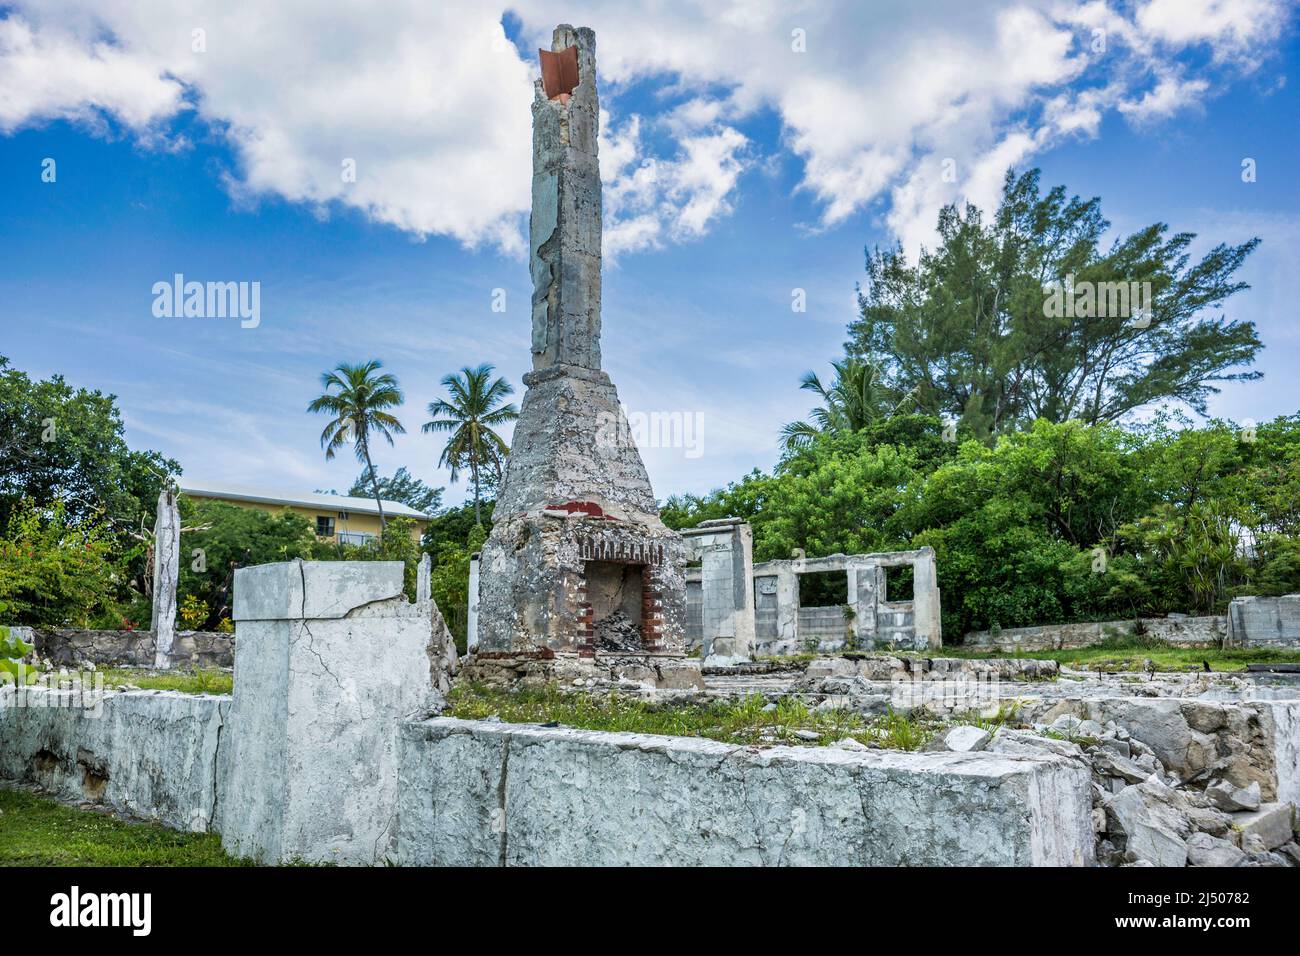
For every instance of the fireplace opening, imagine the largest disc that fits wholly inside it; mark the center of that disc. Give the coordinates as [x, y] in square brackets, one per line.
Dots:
[615, 593]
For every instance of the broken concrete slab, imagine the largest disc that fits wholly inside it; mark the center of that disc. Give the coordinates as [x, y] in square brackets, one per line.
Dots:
[1206, 850]
[1272, 824]
[1152, 818]
[1225, 796]
[960, 739]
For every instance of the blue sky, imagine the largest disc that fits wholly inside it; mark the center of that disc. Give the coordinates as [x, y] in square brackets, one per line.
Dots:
[224, 171]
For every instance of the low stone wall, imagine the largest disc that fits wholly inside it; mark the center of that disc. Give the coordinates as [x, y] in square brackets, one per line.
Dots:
[69, 647]
[1207, 631]
[153, 754]
[1265, 621]
[492, 794]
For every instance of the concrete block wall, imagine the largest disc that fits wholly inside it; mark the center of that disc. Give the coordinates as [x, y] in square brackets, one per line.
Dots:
[1265, 621]
[492, 794]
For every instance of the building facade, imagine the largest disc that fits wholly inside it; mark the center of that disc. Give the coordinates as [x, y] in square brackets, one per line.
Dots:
[342, 519]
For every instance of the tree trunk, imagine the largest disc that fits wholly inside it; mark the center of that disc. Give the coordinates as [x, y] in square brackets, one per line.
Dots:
[473, 468]
[374, 486]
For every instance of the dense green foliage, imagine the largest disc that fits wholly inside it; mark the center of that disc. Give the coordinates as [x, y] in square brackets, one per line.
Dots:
[55, 572]
[75, 502]
[1055, 523]
[220, 537]
[63, 443]
[451, 538]
[980, 328]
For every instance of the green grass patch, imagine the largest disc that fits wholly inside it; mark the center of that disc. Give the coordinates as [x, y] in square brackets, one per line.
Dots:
[197, 681]
[39, 831]
[745, 721]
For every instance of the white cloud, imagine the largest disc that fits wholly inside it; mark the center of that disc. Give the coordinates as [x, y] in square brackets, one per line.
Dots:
[432, 102]
[51, 76]
[648, 200]
[1170, 95]
[429, 101]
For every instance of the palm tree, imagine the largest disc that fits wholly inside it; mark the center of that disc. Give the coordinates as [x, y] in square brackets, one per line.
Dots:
[471, 415]
[854, 400]
[358, 409]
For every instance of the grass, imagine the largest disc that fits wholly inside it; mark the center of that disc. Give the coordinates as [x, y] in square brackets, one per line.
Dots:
[197, 681]
[745, 721]
[39, 831]
[1130, 652]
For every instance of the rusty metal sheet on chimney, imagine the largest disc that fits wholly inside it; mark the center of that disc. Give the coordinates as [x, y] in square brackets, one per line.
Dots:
[559, 71]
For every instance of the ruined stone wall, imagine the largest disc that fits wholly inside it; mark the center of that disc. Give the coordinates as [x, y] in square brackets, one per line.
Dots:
[491, 794]
[1190, 631]
[72, 646]
[156, 755]
[1265, 621]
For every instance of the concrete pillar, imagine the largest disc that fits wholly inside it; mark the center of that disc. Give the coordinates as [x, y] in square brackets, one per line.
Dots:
[725, 548]
[926, 619]
[864, 593]
[422, 588]
[471, 612]
[787, 606]
[329, 659]
[745, 628]
[166, 575]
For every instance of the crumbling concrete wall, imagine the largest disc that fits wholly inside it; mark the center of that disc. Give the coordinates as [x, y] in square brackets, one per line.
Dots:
[1264, 621]
[330, 658]
[1206, 631]
[151, 754]
[492, 794]
[69, 647]
[724, 628]
[869, 618]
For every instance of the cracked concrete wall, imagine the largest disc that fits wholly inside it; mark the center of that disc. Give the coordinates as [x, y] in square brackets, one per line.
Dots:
[492, 794]
[1264, 621]
[157, 755]
[330, 657]
[72, 646]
